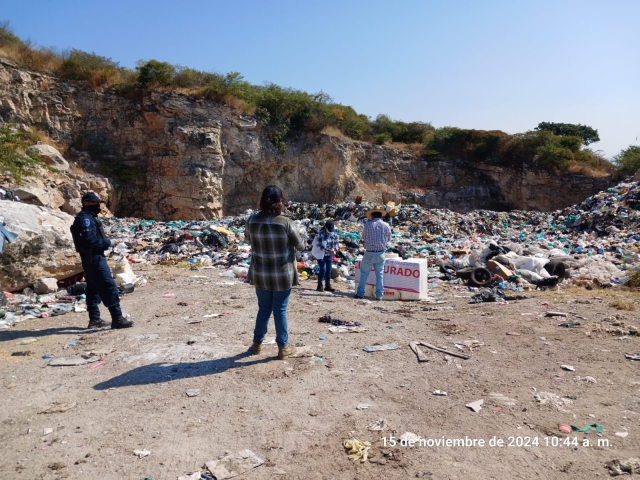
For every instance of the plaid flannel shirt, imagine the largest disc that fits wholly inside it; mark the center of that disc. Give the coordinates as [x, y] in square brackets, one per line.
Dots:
[328, 241]
[273, 240]
[375, 235]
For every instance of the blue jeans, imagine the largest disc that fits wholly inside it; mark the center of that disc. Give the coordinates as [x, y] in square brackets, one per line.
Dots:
[276, 302]
[371, 260]
[325, 269]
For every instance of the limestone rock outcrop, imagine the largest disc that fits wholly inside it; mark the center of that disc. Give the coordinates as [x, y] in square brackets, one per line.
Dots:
[173, 156]
[50, 155]
[43, 249]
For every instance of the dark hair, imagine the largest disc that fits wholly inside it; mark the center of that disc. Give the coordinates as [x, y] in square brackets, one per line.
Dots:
[376, 214]
[270, 200]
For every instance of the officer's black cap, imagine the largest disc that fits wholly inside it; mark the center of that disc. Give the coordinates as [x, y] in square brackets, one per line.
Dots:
[91, 197]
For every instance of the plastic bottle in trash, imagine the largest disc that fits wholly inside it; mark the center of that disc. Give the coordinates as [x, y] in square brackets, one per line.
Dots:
[9, 318]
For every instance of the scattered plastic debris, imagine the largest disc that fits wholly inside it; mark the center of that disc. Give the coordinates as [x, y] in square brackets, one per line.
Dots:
[234, 465]
[598, 428]
[475, 406]
[564, 428]
[617, 467]
[357, 450]
[378, 426]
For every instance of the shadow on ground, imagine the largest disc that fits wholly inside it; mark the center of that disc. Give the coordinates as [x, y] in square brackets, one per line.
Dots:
[13, 334]
[166, 372]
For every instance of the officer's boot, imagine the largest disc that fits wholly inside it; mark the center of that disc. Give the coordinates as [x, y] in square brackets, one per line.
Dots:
[117, 319]
[94, 318]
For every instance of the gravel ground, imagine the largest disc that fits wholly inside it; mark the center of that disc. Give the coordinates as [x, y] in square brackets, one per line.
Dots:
[296, 413]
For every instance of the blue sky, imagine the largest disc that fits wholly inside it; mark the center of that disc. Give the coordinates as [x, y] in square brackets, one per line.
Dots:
[502, 64]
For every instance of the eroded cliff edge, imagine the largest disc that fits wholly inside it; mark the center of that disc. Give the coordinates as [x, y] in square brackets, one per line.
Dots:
[172, 156]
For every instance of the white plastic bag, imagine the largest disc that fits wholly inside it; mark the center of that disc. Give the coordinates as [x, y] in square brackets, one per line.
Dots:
[316, 250]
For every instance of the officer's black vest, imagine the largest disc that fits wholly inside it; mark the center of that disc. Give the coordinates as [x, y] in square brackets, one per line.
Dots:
[76, 235]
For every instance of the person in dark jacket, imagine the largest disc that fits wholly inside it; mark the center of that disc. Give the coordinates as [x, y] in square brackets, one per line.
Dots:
[91, 242]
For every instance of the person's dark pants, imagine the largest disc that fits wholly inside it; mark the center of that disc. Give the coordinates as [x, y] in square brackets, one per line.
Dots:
[325, 270]
[100, 287]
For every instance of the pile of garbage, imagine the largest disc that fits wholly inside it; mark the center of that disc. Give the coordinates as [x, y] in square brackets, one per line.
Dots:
[49, 299]
[595, 241]
[17, 308]
[595, 244]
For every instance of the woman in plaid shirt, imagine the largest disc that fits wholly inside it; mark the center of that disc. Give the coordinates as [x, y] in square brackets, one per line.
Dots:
[273, 239]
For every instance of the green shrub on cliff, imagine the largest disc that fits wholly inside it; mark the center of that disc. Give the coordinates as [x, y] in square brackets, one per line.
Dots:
[495, 147]
[190, 78]
[586, 134]
[384, 127]
[90, 68]
[628, 160]
[154, 73]
[15, 161]
[7, 37]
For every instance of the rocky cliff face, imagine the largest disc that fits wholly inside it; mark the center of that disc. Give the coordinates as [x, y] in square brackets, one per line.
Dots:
[177, 157]
[44, 247]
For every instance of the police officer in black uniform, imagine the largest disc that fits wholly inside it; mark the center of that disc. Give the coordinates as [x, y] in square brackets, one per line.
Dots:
[91, 242]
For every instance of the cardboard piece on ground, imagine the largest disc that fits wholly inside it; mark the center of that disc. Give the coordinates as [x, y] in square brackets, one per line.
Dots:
[403, 279]
[72, 361]
[378, 348]
[499, 269]
[345, 329]
[58, 408]
[234, 465]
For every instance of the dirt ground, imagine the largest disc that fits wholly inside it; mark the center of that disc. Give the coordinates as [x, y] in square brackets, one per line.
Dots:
[296, 413]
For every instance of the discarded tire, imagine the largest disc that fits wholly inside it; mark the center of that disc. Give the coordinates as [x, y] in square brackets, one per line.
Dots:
[557, 268]
[77, 288]
[463, 273]
[448, 269]
[480, 276]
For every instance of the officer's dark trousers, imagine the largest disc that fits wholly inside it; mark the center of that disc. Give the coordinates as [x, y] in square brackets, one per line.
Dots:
[100, 287]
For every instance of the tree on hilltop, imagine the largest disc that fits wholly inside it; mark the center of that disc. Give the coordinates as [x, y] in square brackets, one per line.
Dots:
[587, 134]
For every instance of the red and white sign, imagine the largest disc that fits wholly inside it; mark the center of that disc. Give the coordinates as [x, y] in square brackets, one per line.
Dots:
[402, 279]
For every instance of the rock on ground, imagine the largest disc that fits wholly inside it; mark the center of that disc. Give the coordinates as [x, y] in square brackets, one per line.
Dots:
[44, 247]
[43, 286]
